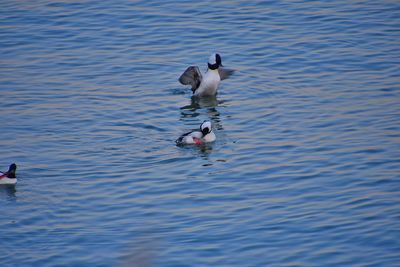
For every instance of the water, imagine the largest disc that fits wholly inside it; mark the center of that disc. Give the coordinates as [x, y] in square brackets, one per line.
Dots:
[305, 170]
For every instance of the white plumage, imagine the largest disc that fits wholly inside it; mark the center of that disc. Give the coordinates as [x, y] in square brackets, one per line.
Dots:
[198, 137]
[9, 177]
[208, 84]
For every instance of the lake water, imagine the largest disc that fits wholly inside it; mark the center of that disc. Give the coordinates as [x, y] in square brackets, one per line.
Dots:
[305, 170]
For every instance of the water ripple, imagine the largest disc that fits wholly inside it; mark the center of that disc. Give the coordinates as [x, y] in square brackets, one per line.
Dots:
[304, 168]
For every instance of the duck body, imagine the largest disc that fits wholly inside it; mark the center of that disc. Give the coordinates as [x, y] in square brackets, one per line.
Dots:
[198, 137]
[6, 180]
[9, 177]
[208, 84]
[190, 138]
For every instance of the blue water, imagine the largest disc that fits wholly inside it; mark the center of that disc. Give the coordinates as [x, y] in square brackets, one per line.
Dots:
[305, 170]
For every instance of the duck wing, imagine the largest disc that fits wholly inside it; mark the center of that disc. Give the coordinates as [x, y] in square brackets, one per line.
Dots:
[225, 73]
[180, 139]
[194, 134]
[192, 76]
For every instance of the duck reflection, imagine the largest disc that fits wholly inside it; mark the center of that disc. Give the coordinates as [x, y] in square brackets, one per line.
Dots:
[209, 104]
[201, 102]
[8, 190]
[203, 151]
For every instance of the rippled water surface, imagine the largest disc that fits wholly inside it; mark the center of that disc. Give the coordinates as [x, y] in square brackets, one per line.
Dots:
[305, 170]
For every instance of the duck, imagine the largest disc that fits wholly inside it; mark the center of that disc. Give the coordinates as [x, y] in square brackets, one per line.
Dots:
[9, 177]
[198, 137]
[208, 84]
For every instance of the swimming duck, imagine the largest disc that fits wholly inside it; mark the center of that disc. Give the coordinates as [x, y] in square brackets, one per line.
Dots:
[206, 85]
[9, 177]
[205, 135]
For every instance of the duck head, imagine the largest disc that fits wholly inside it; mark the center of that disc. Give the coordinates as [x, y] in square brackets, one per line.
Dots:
[11, 171]
[206, 128]
[215, 61]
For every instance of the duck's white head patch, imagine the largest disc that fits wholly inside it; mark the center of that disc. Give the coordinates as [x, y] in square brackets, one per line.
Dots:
[205, 127]
[212, 60]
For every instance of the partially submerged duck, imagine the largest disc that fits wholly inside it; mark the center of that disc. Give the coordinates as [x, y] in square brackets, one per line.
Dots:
[9, 176]
[198, 137]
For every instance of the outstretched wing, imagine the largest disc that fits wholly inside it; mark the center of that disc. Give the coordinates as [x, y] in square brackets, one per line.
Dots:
[225, 73]
[192, 76]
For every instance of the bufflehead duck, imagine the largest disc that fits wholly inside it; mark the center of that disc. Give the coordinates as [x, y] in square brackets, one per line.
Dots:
[205, 135]
[207, 85]
[9, 177]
